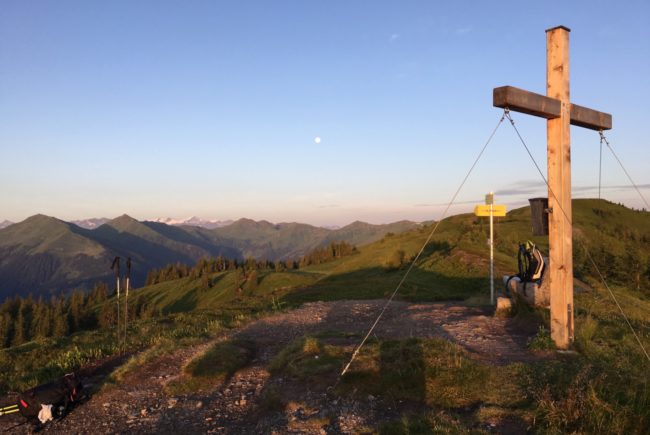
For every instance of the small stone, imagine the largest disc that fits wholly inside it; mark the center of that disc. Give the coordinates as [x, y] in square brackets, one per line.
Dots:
[172, 402]
[106, 404]
[143, 412]
[371, 397]
[199, 404]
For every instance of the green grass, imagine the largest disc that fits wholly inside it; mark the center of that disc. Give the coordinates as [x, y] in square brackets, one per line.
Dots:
[39, 361]
[221, 360]
[565, 394]
[217, 364]
[434, 372]
[430, 374]
[424, 424]
[542, 340]
[307, 358]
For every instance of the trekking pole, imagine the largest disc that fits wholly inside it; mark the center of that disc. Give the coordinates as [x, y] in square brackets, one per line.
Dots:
[9, 409]
[116, 267]
[126, 300]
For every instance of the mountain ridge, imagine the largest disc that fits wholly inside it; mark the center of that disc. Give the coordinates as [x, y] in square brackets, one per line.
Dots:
[44, 254]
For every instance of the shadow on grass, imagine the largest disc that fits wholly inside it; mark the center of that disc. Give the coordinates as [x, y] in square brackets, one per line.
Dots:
[186, 303]
[376, 282]
[218, 364]
[222, 360]
[189, 301]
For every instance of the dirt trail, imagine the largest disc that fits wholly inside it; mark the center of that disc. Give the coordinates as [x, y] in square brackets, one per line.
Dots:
[140, 405]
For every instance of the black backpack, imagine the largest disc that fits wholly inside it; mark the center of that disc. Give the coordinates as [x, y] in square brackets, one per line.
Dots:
[530, 261]
[60, 393]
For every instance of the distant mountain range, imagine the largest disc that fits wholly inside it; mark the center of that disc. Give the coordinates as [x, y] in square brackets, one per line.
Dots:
[43, 254]
[195, 222]
[5, 224]
[92, 223]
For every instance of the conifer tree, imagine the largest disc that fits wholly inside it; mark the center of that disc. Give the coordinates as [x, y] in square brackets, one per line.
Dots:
[107, 316]
[60, 323]
[6, 329]
[42, 320]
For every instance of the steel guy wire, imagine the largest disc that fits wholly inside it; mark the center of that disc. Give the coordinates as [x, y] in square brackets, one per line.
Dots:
[602, 278]
[444, 214]
[600, 162]
[584, 246]
[512, 122]
[604, 139]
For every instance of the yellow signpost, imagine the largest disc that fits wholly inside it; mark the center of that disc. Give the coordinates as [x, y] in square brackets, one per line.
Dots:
[485, 210]
[491, 210]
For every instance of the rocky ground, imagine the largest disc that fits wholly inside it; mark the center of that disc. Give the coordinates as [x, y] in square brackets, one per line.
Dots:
[140, 404]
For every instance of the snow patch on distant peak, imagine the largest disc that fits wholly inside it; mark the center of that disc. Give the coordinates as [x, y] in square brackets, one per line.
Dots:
[91, 223]
[331, 227]
[195, 222]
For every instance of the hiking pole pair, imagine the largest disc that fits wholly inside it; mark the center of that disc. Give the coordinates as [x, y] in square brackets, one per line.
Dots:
[9, 410]
[116, 268]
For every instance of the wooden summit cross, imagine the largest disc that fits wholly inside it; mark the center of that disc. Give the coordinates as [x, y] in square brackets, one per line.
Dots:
[557, 108]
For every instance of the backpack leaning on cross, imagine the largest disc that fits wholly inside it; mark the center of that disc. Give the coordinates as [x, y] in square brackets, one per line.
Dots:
[530, 263]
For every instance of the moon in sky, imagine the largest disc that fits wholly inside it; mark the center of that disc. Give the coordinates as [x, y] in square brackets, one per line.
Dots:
[317, 139]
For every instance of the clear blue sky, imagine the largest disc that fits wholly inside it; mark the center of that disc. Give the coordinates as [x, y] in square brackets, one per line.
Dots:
[210, 108]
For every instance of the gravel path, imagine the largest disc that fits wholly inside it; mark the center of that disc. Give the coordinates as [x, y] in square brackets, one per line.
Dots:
[140, 405]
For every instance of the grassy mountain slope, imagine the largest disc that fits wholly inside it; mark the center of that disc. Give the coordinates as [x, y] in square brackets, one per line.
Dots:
[361, 233]
[265, 240]
[43, 254]
[454, 265]
[282, 241]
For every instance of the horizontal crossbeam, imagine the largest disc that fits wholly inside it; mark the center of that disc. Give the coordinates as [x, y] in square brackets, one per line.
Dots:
[526, 102]
[589, 118]
[531, 103]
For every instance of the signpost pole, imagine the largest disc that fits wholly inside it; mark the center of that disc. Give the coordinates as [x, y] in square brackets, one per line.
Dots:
[489, 200]
[491, 210]
[492, 253]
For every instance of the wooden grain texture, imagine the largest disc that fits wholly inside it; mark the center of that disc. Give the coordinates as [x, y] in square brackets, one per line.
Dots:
[527, 102]
[589, 118]
[520, 100]
[559, 189]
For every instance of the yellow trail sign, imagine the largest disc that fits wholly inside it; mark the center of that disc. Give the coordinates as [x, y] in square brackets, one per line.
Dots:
[484, 210]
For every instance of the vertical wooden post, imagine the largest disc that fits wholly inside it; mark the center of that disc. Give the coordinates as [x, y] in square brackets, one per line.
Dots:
[559, 195]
